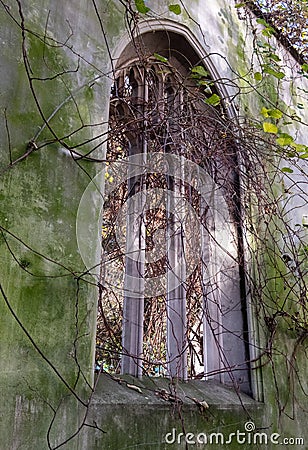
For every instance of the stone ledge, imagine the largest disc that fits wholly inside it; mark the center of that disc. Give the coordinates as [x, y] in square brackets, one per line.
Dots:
[160, 392]
[139, 413]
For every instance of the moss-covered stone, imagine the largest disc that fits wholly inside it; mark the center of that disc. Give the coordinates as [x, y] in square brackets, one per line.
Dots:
[47, 315]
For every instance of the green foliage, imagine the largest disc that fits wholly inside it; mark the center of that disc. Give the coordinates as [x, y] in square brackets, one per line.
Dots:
[268, 30]
[258, 76]
[305, 67]
[289, 19]
[140, 6]
[176, 9]
[262, 22]
[199, 71]
[284, 139]
[267, 68]
[300, 148]
[160, 58]
[269, 127]
[274, 113]
[202, 77]
[213, 100]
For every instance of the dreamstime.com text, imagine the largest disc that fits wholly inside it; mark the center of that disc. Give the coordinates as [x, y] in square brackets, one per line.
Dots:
[249, 436]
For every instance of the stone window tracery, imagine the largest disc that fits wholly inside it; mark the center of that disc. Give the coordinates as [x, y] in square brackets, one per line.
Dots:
[196, 327]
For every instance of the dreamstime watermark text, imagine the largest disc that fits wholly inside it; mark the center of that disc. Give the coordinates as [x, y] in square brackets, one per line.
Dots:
[248, 436]
[184, 172]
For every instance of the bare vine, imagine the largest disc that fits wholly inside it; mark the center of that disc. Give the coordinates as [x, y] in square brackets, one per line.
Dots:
[249, 156]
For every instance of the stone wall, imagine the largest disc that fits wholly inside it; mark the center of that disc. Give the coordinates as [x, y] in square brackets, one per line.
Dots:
[56, 72]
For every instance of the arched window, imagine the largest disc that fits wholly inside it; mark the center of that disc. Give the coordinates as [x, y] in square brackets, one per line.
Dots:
[172, 229]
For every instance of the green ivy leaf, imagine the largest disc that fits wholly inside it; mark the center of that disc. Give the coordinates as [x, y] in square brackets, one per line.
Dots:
[264, 112]
[270, 128]
[305, 67]
[205, 83]
[287, 170]
[268, 31]
[176, 9]
[160, 58]
[262, 22]
[258, 76]
[284, 139]
[274, 57]
[213, 100]
[275, 113]
[239, 5]
[278, 74]
[140, 6]
[200, 71]
[300, 148]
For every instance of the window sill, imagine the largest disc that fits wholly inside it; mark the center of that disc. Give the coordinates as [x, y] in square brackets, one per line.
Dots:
[152, 414]
[159, 391]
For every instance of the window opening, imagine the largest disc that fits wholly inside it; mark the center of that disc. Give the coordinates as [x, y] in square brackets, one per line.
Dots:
[197, 327]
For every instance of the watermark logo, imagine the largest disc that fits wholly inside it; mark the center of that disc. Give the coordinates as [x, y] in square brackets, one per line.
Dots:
[249, 426]
[249, 436]
[175, 202]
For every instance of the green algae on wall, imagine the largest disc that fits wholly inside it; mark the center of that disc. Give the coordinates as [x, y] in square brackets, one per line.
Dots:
[41, 271]
[48, 319]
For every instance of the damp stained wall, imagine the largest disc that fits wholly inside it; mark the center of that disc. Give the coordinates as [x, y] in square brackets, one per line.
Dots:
[57, 61]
